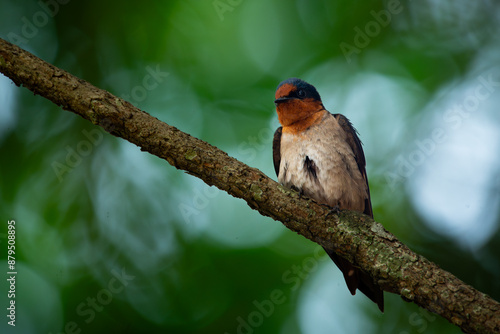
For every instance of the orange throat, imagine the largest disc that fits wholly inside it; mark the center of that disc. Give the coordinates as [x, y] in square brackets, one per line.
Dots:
[294, 125]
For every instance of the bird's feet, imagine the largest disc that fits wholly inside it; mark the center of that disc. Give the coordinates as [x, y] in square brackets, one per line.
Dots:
[333, 210]
[300, 191]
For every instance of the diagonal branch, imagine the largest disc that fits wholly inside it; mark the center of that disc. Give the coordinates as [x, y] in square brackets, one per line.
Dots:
[354, 236]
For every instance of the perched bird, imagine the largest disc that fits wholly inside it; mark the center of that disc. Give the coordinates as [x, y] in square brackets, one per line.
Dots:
[320, 155]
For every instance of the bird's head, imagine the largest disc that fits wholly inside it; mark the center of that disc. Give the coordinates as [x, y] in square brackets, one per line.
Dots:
[296, 101]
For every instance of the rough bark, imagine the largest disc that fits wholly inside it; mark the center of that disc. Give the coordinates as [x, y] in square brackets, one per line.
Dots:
[354, 236]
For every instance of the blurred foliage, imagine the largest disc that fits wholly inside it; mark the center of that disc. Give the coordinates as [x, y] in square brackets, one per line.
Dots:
[113, 239]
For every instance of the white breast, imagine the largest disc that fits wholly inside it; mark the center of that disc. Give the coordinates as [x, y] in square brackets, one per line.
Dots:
[337, 180]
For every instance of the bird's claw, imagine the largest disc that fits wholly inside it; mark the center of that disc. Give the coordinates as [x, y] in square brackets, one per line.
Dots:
[333, 210]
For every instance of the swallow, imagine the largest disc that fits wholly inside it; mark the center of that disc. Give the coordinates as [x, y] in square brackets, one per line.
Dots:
[320, 155]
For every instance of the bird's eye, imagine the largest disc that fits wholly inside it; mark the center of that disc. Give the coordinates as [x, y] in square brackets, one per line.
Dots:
[301, 93]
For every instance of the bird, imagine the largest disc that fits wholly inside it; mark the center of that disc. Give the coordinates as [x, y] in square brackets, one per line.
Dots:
[320, 155]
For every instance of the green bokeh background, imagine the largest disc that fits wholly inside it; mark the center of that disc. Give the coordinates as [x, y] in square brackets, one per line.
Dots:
[120, 241]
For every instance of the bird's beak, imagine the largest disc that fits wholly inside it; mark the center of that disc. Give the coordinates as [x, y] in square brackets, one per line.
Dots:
[281, 100]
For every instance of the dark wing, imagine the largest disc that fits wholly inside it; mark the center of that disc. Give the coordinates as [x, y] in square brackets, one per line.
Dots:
[355, 144]
[277, 150]
[354, 277]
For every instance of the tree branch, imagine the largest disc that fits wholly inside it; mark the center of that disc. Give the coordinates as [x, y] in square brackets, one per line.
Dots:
[354, 236]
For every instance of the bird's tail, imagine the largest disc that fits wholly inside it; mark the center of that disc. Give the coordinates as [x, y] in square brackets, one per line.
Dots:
[356, 279]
